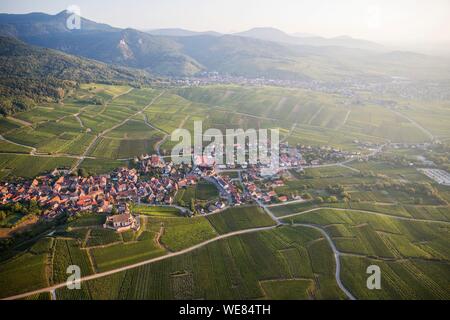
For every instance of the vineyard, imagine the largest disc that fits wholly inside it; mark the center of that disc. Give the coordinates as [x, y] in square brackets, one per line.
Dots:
[240, 218]
[236, 268]
[413, 255]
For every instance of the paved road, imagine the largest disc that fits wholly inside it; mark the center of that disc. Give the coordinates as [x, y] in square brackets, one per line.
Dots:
[337, 256]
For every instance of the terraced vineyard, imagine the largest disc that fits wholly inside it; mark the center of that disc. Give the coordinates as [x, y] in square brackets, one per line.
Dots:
[413, 255]
[241, 268]
[112, 112]
[240, 218]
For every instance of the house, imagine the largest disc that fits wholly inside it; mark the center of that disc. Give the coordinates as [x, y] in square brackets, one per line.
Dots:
[122, 222]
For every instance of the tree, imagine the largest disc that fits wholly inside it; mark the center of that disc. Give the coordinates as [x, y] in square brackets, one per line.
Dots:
[333, 199]
[307, 196]
[33, 208]
[319, 200]
[82, 172]
[2, 215]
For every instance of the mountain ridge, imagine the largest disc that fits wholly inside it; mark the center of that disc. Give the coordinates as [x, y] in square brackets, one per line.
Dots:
[276, 35]
[191, 53]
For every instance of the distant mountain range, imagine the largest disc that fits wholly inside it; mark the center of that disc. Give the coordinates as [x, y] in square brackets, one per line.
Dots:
[177, 32]
[260, 52]
[275, 35]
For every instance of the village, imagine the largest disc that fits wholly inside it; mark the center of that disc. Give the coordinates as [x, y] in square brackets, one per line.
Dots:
[155, 182]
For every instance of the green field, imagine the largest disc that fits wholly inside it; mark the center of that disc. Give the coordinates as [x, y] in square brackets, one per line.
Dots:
[235, 219]
[236, 268]
[27, 270]
[203, 191]
[156, 211]
[181, 233]
[412, 255]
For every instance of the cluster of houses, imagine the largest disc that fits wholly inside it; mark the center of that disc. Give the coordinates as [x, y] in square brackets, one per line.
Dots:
[67, 193]
[228, 188]
[264, 189]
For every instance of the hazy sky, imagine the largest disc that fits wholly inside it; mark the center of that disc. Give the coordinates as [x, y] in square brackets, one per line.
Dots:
[389, 21]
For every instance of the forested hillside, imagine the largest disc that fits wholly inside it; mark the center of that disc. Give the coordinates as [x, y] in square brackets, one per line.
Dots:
[30, 74]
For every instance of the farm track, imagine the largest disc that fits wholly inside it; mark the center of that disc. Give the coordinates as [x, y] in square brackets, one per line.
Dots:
[77, 116]
[244, 114]
[114, 98]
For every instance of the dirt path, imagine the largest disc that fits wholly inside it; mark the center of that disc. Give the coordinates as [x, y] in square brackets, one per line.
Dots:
[22, 122]
[77, 116]
[166, 136]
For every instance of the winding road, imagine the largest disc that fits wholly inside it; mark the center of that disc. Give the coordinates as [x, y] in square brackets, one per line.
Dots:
[140, 264]
[337, 257]
[336, 252]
